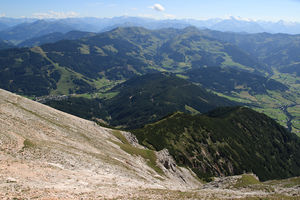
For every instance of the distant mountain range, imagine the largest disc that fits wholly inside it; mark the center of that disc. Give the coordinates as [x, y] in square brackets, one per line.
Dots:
[76, 66]
[5, 45]
[277, 50]
[259, 70]
[54, 37]
[25, 31]
[3, 26]
[19, 30]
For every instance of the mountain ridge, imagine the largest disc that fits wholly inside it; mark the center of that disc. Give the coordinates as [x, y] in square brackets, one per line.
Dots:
[117, 56]
[54, 37]
[144, 99]
[226, 141]
[231, 24]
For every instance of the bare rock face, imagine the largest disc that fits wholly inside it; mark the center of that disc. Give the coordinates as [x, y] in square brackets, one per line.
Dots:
[165, 159]
[222, 182]
[132, 139]
[11, 180]
[167, 163]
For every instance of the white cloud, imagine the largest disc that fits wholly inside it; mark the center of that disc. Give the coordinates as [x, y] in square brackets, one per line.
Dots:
[158, 7]
[237, 18]
[56, 15]
[156, 17]
[169, 16]
[2, 14]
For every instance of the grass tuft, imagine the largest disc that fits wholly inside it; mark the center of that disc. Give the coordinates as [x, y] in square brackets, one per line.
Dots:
[120, 136]
[28, 144]
[246, 180]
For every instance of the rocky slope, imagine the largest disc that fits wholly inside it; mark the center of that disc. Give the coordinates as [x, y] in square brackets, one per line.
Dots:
[48, 154]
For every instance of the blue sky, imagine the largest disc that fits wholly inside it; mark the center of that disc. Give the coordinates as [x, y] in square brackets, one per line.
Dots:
[273, 10]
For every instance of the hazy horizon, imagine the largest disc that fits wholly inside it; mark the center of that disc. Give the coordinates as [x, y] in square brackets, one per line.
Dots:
[254, 10]
[151, 18]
